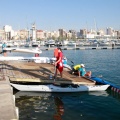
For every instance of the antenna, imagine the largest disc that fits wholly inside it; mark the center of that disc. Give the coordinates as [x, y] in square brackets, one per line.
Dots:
[95, 25]
[96, 28]
[86, 26]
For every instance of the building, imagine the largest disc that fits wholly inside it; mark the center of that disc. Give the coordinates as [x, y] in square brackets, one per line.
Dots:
[62, 33]
[2, 35]
[7, 30]
[40, 34]
[109, 31]
[23, 34]
[83, 33]
[73, 34]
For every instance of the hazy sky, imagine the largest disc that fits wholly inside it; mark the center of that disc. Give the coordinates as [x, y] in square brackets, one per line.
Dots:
[55, 14]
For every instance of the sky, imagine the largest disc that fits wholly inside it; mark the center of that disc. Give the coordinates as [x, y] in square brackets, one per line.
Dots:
[60, 14]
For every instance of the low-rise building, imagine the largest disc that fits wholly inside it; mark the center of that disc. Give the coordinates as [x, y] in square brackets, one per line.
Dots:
[2, 35]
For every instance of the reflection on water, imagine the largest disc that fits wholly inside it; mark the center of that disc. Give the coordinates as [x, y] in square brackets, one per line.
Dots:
[19, 94]
[99, 93]
[59, 106]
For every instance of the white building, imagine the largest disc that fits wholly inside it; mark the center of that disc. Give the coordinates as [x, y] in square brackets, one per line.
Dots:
[7, 30]
[109, 31]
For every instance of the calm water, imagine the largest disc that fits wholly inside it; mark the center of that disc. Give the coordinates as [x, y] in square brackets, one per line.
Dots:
[77, 106]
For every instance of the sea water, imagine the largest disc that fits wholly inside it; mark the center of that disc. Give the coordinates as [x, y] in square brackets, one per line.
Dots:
[103, 105]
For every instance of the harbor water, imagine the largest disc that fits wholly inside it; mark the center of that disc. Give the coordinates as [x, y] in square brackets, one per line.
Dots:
[76, 106]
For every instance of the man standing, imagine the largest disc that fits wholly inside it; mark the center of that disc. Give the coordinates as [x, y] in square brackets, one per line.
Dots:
[59, 63]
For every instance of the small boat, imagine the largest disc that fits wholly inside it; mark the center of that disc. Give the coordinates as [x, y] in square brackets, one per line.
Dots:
[59, 88]
[104, 82]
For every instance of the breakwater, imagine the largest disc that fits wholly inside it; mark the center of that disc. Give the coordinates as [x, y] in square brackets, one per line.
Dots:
[83, 48]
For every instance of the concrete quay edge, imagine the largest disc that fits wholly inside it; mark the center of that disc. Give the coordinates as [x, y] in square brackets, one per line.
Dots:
[8, 110]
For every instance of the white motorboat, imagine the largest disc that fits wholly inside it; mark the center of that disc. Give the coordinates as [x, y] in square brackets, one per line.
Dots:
[50, 43]
[59, 88]
[105, 43]
[15, 44]
[35, 44]
[27, 44]
[10, 44]
[24, 50]
[64, 42]
[117, 43]
[71, 43]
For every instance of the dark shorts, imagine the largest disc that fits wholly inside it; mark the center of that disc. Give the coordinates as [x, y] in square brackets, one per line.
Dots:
[57, 66]
[73, 70]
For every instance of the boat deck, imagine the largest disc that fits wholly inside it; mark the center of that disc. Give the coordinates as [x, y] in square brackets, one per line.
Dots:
[21, 71]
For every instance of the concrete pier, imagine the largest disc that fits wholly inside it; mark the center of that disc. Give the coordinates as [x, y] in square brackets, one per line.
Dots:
[8, 110]
[84, 48]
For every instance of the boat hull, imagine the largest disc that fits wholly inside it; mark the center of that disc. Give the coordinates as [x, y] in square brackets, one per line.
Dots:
[54, 88]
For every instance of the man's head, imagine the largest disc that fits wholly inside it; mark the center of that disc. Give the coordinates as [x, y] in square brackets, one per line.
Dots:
[82, 65]
[59, 48]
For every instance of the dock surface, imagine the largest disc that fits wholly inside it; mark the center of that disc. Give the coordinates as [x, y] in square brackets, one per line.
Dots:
[18, 71]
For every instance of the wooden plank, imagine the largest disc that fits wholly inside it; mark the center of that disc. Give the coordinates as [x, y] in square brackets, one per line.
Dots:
[33, 72]
[50, 81]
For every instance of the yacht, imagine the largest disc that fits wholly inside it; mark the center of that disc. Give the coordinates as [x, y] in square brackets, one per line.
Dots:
[64, 42]
[27, 44]
[78, 43]
[35, 44]
[15, 44]
[71, 43]
[50, 43]
[104, 43]
[117, 43]
[10, 44]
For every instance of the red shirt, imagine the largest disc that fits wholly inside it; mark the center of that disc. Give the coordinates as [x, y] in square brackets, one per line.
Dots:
[60, 56]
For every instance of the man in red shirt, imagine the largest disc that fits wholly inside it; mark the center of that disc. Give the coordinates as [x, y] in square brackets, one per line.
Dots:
[59, 63]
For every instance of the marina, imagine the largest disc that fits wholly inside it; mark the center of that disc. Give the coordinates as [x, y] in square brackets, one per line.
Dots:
[31, 72]
[57, 64]
[27, 71]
